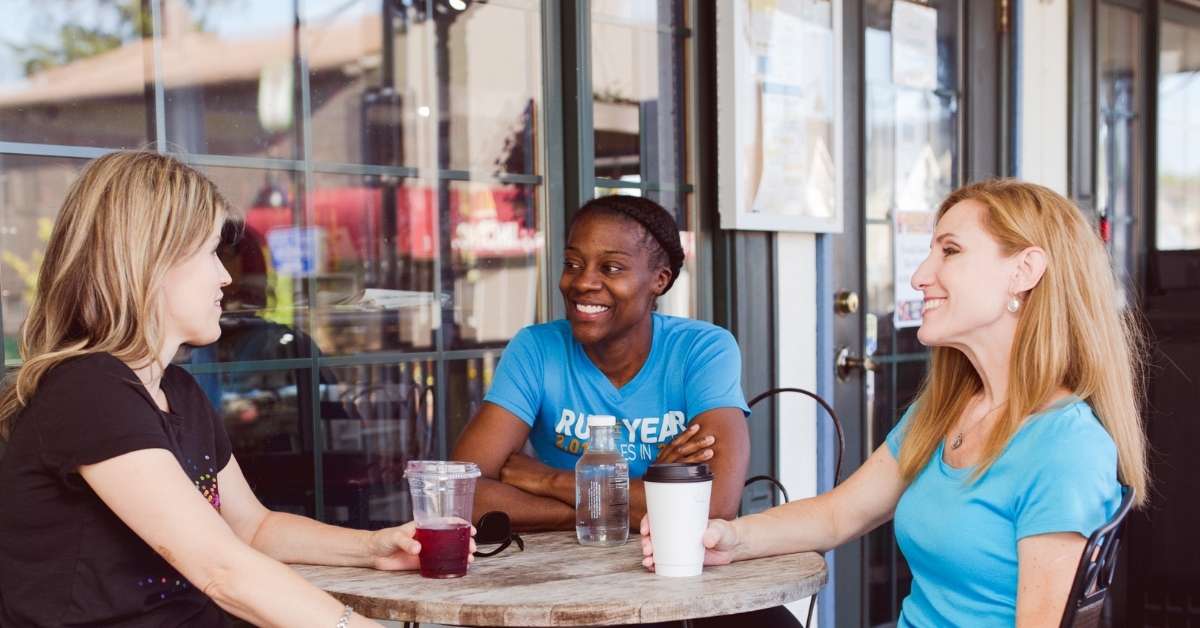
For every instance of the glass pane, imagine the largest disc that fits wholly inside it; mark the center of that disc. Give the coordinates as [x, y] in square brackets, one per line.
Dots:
[1119, 61]
[32, 190]
[368, 106]
[681, 300]
[375, 418]
[878, 17]
[1178, 223]
[265, 307]
[879, 275]
[469, 381]
[268, 415]
[637, 54]
[496, 250]
[494, 86]
[374, 277]
[77, 74]
[229, 80]
[378, 417]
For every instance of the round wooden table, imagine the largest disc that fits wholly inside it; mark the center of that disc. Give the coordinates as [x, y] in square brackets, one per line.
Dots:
[558, 582]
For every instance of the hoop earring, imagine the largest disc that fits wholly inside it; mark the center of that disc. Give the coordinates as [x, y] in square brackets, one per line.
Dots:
[1013, 305]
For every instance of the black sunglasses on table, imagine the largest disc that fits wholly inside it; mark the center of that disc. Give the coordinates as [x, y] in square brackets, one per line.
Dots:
[494, 527]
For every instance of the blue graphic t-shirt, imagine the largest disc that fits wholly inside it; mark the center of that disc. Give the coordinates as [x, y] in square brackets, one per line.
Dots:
[1057, 474]
[547, 380]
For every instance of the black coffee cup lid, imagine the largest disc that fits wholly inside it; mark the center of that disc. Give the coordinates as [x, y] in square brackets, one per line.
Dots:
[678, 472]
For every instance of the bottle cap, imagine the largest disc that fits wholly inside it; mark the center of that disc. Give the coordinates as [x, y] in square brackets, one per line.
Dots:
[601, 420]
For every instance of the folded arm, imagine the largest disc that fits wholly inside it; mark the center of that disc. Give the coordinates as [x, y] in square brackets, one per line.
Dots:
[493, 435]
[719, 437]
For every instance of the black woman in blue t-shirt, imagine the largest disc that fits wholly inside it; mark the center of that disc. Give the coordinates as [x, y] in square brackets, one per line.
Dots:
[673, 384]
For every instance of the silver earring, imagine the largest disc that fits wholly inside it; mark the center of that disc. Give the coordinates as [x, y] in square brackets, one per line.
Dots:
[1014, 304]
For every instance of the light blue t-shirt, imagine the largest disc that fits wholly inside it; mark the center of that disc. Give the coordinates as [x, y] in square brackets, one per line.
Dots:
[547, 380]
[1057, 474]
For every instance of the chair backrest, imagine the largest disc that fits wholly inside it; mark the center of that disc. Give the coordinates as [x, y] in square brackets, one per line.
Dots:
[1096, 568]
[837, 426]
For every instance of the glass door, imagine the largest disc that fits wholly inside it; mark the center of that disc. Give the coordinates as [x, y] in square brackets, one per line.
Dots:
[905, 122]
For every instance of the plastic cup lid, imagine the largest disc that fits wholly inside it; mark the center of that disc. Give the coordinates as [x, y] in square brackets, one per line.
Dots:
[442, 469]
[678, 472]
[602, 420]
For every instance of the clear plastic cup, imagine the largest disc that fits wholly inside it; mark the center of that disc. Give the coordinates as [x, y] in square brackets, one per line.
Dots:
[443, 493]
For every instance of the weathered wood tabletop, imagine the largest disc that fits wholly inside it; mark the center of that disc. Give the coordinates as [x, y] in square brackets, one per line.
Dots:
[558, 582]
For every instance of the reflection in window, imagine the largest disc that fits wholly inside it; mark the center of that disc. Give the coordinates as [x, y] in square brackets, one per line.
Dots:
[1178, 222]
[638, 89]
[496, 246]
[1118, 115]
[76, 74]
[229, 89]
[31, 192]
[377, 417]
[494, 87]
[375, 265]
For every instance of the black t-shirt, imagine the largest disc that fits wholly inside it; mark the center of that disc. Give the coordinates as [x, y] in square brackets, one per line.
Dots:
[65, 558]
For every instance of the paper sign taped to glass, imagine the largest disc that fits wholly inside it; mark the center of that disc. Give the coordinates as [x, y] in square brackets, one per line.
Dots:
[778, 114]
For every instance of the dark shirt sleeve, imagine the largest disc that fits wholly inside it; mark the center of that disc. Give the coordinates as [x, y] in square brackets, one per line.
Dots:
[90, 409]
[198, 406]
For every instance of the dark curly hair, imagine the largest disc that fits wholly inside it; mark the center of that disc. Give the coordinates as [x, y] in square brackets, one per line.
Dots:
[661, 233]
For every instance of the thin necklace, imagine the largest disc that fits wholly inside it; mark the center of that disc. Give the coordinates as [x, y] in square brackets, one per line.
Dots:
[958, 440]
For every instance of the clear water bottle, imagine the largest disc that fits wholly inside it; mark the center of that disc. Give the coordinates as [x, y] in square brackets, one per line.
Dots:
[602, 487]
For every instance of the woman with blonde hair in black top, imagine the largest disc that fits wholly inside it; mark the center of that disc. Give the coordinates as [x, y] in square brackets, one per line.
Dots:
[121, 502]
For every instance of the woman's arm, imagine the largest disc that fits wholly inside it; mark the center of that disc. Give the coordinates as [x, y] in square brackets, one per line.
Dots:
[1046, 565]
[493, 435]
[148, 491]
[699, 443]
[722, 440]
[860, 504]
[294, 539]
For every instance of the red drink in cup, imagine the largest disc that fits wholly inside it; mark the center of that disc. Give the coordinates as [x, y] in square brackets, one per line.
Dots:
[442, 495]
[444, 549]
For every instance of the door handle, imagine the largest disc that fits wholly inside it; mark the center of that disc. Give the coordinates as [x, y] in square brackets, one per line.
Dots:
[846, 364]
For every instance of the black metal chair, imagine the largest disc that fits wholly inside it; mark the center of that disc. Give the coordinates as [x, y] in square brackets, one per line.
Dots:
[837, 426]
[837, 467]
[1094, 575]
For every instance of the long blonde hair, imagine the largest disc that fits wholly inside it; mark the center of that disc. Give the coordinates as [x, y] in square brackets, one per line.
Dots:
[127, 219]
[1071, 334]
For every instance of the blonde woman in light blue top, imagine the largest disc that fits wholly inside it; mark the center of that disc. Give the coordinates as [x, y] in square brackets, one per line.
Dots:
[1015, 448]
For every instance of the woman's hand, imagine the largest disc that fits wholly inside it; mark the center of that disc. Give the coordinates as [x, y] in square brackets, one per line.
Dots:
[720, 540]
[394, 549]
[688, 446]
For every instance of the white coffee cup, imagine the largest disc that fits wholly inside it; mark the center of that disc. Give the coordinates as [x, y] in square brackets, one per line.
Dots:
[677, 496]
